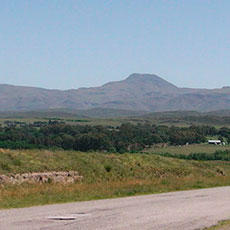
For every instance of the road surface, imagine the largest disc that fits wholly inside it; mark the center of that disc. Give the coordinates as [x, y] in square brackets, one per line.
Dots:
[184, 210]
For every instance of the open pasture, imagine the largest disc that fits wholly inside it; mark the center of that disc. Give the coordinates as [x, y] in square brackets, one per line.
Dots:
[188, 149]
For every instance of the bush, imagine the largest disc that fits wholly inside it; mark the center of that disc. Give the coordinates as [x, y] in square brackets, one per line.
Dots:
[108, 168]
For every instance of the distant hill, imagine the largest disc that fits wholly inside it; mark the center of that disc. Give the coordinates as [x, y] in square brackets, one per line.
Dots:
[72, 113]
[214, 118]
[138, 92]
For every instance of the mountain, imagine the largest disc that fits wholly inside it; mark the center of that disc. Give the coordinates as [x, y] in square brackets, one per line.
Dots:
[138, 92]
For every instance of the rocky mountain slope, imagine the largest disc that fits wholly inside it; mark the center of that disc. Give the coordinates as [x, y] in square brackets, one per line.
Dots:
[140, 92]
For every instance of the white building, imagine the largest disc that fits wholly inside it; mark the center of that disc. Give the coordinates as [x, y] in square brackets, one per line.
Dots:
[214, 142]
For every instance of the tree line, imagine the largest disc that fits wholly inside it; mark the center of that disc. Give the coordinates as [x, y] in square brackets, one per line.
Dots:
[127, 137]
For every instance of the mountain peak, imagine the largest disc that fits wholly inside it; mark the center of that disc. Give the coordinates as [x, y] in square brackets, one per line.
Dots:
[146, 76]
[151, 79]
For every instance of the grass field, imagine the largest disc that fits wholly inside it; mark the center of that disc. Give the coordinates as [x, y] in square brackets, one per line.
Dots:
[80, 121]
[105, 176]
[106, 121]
[179, 119]
[188, 149]
[117, 117]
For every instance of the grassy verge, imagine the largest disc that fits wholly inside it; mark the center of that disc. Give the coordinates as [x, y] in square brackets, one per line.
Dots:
[105, 176]
[223, 225]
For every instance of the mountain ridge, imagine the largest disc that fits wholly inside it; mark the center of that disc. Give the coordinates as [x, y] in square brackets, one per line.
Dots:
[138, 92]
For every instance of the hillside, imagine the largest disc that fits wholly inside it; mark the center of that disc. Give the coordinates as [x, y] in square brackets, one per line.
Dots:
[138, 92]
[104, 176]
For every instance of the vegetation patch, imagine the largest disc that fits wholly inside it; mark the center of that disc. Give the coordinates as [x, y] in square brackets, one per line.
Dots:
[104, 176]
[216, 156]
[223, 225]
[188, 149]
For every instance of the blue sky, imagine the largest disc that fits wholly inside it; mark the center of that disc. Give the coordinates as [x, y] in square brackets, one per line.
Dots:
[80, 43]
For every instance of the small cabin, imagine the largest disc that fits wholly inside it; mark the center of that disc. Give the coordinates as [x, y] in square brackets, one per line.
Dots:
[214, 142]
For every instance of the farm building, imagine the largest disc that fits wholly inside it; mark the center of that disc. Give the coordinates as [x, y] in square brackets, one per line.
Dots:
[214, 142]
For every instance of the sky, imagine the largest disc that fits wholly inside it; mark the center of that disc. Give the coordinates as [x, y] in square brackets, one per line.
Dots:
[81, 43]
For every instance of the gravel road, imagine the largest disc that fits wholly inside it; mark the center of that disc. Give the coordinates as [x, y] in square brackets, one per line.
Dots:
[185, 210]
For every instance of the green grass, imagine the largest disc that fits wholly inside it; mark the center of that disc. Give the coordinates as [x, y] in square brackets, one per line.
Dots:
[178, 120]
[223, 225]
[186, 150]
[105, 176]
[80, 121]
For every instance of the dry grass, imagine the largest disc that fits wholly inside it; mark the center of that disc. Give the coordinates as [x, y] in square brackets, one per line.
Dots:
[199, 148]
[223, 225]
[129, 174]
[29, 194]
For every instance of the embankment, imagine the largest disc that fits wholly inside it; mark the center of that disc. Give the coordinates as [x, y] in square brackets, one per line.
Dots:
[103, 175]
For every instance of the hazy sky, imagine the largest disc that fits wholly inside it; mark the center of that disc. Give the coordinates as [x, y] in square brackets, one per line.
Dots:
[79, 43]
